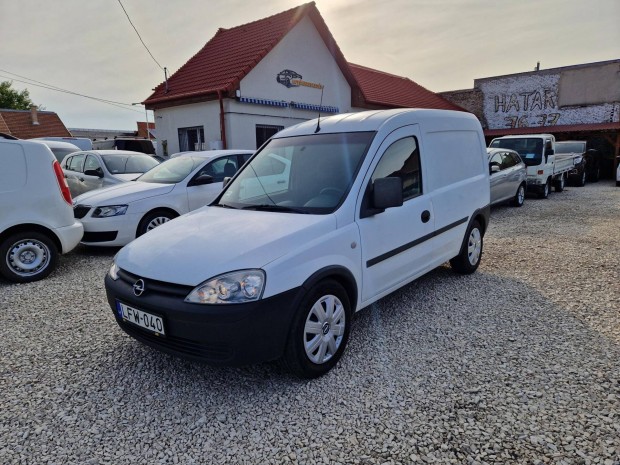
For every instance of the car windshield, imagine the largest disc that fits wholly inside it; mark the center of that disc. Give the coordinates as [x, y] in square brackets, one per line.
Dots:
[303, 174]
[530, 149]
[172, 171]
[121, 164]
[570, 147]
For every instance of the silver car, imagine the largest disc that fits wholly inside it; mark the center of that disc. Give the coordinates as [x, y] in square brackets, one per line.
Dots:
[94, 169]
[508, 176]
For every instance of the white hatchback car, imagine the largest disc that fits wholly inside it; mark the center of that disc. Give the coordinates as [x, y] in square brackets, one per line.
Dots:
[36, 221]
[116, 215]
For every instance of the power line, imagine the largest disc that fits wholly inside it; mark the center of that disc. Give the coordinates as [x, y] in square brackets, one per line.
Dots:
[134, 28]
[58, 89]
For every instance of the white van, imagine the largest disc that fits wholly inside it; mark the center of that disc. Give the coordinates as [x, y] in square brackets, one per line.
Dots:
[59, 149]
[353, 207]
[36, 218]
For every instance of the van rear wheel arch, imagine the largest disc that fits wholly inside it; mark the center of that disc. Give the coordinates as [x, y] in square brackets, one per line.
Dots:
[28, 227]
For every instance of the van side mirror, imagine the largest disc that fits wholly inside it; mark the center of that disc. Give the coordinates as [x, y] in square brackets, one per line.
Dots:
[387, 193]
[550, 152]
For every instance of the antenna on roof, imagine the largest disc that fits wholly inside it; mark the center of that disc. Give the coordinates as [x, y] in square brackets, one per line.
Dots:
[318, 122]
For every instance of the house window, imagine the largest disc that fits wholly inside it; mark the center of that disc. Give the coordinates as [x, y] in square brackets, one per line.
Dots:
[264, 132]
[191, 139]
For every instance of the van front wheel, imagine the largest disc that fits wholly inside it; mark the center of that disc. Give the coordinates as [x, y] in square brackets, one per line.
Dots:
[468, 260]
[320, 331]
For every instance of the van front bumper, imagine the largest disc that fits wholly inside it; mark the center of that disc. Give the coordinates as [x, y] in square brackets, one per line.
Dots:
[228, 334]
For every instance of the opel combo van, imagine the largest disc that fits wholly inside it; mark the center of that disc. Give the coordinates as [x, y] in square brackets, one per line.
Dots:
[326, 218]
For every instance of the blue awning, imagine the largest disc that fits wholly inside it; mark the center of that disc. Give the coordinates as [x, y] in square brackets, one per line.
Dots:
[309, 106]
[260, 101]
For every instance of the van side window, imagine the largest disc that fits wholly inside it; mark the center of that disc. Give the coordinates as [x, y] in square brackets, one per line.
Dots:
[402, 160]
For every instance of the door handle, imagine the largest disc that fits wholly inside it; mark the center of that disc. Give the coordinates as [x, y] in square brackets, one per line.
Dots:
[426, 215]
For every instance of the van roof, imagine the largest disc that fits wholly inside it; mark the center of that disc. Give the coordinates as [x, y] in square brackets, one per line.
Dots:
[372, 120]
[56, 144]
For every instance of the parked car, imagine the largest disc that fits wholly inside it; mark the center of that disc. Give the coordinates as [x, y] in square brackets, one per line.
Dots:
[36, 219]
[587, 168]
[373, 200]
[95, 169]
[116, 215]
[134, 144]
[59, 149]
[508, 176]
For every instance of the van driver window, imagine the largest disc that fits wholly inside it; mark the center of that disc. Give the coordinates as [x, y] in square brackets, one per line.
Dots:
[402, 160]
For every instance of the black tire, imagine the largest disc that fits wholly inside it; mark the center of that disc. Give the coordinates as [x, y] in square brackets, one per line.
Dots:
[153, 219]
[296, 357]
[468, 260]
[519, 197]
[596, 175]
[559, 184]
[27, 256]
[617, 183]
[582, 179]
[544, 192]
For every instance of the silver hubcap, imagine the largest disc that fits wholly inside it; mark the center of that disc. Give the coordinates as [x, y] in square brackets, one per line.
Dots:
[562, 182]
[28, 257]
[521, 195]
[158, 221]
[324, 329]
[546, 189]
[474, 246]
[583, 177]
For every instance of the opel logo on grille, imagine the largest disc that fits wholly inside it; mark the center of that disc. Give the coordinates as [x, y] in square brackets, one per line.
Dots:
[138, 287]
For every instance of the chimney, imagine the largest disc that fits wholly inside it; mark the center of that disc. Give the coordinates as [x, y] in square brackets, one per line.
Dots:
[33, 115]
[537, 66]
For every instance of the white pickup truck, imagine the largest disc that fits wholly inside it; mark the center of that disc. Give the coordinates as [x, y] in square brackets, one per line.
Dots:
[544, 166]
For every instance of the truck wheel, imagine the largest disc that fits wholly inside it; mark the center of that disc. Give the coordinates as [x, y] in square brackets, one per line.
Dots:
[319, 332]
[559, 184]
[27, 256]
[519, 197]
[467, 261]
[153, 219]
[544, 193]
[582, 179]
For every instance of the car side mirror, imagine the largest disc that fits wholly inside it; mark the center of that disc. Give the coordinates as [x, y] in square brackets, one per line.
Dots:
[493, 168]
[226, 181]
[387, 193]
[202, 180]
[97, 173]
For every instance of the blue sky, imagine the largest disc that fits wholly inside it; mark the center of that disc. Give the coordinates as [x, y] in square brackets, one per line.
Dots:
[89, 47]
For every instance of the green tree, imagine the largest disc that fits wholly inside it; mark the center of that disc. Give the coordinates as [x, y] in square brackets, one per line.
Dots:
[13, 99]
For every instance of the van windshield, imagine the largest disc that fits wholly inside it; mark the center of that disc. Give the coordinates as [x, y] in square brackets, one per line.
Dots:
[530, 149]
[302, 174]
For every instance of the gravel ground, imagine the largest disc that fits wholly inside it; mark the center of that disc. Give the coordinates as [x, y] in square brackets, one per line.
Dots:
[518, 363]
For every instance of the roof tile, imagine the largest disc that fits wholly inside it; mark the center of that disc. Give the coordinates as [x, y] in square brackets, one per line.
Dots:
[20, 124]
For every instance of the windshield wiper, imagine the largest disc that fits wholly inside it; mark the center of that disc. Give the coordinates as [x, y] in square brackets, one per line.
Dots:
[274, 208]
[223, 205]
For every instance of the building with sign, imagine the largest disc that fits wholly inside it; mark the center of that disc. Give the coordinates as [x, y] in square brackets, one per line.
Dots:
[250, 81]
[580, 102]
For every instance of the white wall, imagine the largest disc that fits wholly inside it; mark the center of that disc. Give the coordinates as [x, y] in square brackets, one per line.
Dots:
[169, 120]
[531, 100]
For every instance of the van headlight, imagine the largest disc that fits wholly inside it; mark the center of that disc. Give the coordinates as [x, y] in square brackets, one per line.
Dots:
[230, 288]
[109, 210]
[113, 271]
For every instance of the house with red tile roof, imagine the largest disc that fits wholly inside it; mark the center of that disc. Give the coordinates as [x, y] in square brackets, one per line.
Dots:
[250, 81]
[28, 124]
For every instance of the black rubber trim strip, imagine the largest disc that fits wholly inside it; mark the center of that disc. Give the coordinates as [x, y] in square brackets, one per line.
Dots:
[411, 244]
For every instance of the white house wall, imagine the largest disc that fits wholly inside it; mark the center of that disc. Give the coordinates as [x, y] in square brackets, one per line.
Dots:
[303, 51]
[531, 100]
[169, 120]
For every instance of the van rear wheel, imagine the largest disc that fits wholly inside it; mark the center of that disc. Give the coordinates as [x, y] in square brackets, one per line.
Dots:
[320, 331]
[468, 260]
[27, 256]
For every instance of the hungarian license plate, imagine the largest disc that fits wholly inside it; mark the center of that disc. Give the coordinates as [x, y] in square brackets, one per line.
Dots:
[145, 320]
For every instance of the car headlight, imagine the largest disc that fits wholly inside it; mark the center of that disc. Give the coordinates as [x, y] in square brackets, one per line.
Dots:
[113, 271]
[230, 288]
[109, 210]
